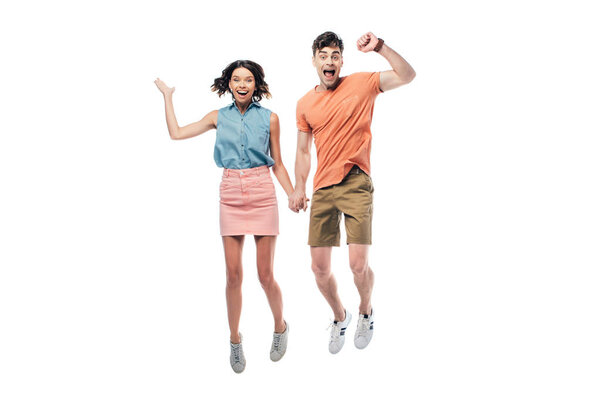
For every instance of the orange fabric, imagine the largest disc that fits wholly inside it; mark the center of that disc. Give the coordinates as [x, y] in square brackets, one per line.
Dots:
[340, 121]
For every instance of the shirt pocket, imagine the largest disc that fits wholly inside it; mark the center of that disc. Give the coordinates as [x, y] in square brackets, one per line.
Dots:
[259, 140]
[265, 134]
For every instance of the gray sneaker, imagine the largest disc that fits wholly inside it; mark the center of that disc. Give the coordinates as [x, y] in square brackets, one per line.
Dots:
[279, 344]
[364, 330]
[236, 358]
[338, 334]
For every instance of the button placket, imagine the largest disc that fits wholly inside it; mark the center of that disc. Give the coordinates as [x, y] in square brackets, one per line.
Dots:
[243, 139]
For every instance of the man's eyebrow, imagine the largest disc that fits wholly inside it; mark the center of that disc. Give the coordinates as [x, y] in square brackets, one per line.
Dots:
[333, 52]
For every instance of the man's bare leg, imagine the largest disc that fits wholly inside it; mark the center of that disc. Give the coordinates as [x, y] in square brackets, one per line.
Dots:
[363, 275]
[321, 266]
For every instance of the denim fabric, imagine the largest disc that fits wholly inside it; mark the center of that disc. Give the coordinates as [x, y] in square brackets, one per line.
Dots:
[243, 140]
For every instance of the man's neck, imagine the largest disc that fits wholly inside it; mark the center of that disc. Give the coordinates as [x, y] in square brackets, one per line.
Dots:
[323, 88]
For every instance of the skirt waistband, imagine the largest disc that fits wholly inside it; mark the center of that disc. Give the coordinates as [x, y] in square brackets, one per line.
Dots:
[263, 169]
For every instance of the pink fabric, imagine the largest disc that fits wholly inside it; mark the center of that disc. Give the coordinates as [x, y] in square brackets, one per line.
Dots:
[248, 203]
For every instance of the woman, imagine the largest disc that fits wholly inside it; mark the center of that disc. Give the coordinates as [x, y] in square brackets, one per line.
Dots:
[247, 144]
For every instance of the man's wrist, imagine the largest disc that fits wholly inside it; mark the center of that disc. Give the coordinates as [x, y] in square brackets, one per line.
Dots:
[379, 45]
[300, 190]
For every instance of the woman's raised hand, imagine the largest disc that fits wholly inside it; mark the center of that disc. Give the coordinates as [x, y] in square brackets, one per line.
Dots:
[163, 87]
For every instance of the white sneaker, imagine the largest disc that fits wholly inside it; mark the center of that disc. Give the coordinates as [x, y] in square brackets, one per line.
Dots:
[236, 358]
[364, 330]
[279, 344]
[338, 334]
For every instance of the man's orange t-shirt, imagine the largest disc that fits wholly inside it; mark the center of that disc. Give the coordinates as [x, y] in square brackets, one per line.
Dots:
[340, 122]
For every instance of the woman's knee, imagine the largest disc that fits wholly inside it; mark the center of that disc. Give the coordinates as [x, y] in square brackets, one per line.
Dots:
[266, 279]
[234, 277]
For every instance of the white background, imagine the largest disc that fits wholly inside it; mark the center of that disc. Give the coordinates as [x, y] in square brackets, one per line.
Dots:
[486, 232]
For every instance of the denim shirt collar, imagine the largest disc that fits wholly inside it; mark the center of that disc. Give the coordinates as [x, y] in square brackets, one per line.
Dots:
[254, 103]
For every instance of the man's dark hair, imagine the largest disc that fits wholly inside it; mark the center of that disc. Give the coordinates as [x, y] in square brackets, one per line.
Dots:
[221, 84]
[327, 39]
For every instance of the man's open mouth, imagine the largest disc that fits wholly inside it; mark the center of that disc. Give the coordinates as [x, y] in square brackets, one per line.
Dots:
[329, 73]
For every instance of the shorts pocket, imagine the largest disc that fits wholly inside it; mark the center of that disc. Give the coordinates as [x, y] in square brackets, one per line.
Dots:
[368, 183]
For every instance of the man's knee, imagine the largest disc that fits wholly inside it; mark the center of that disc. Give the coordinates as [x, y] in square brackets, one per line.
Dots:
[321, 269]
[359, 265]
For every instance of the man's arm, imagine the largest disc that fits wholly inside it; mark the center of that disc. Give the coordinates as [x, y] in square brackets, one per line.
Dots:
[401, 74]
[298, 199]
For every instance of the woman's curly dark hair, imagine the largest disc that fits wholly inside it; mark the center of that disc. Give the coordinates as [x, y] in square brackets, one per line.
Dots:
[221, 84]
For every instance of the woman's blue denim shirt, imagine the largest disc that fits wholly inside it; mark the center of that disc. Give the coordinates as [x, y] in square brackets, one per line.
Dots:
[243, 140]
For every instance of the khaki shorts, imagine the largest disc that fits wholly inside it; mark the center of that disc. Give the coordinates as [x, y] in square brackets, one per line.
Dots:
[353, 197]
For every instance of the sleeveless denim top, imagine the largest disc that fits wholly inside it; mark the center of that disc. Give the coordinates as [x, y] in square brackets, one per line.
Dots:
[243, 140]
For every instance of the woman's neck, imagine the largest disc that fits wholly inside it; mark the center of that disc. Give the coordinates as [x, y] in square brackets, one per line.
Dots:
[242, 107]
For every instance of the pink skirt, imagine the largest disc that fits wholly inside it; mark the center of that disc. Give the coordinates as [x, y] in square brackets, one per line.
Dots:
[248, 203]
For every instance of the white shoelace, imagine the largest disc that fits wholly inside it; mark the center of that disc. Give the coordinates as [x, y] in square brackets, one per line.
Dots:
[276, 341]
[363, 326]
[335, 330]
[236, 353]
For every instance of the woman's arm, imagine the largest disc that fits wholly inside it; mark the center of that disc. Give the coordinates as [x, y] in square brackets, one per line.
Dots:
[194, 129]
[278, 168]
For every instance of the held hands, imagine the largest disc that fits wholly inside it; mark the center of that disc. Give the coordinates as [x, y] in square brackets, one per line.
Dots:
[298, 201]
[367, 42]
[163, 87]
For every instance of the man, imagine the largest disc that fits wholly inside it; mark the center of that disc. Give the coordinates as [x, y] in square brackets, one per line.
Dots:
[337, 114]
